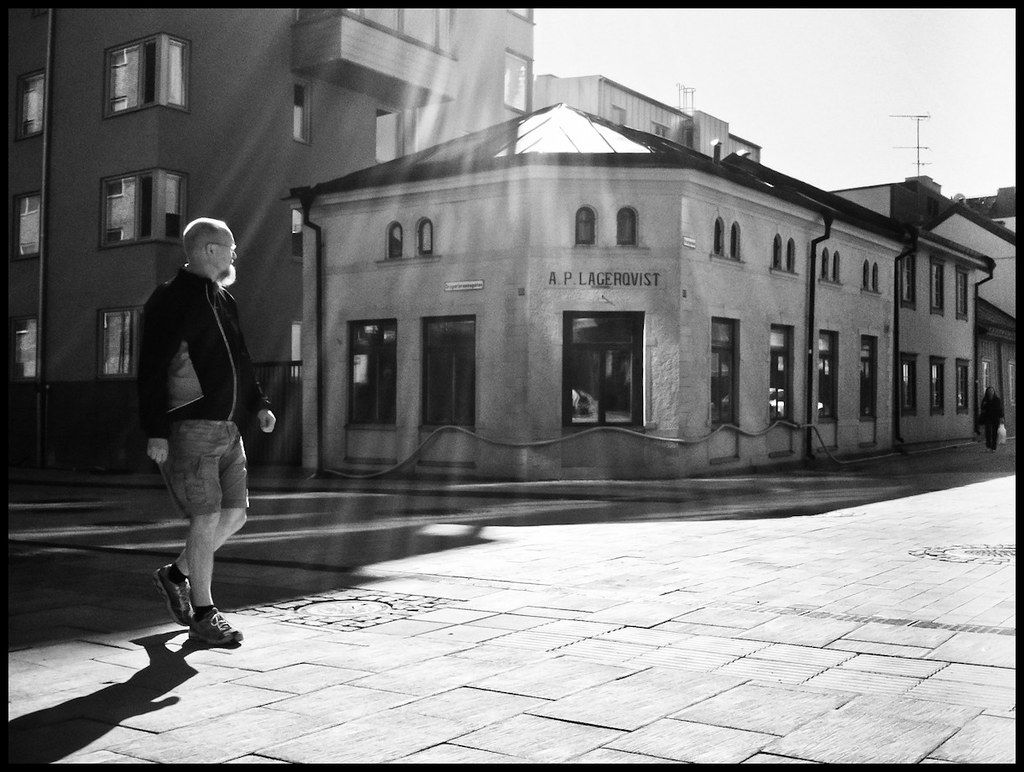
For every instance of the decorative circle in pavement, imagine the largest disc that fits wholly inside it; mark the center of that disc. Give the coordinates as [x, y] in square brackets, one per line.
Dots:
[348, 609]
[345, 609]
[978, 553]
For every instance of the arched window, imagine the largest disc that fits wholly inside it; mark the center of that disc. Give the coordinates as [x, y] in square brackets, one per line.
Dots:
[719, 237]
[824, 263]
[394, 240]
[835, 267]
[791, 255]
[585, 230]
[734, 241]
[625, 227]
[777, 252]
[874, 277]
[425, 237]
[866, 276]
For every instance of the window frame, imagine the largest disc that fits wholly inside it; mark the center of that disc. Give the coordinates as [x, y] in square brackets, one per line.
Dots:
[823, 274]
[427, 362]
[777, 253]
[962, 369]
[571, 349]
[865, 279]
[835, 267]
[157, 207]
[379, 355]
[908, 281]
[20, 115]
[134, 328]
[631, 213]
[828, 356]
[14, 349]
[390, 243]
[297, 240]
[908, 383]
[791, 256]
[304, 118]
[424, 222]
[962, 294]
[936, 385]
[869, 407]
[527, 84]
[161, 74]
[735, 244]
[874, 278]
[732, 349]
[718, 240]
[937, 286]
[16, 225]
[785, 353]
[593, 226]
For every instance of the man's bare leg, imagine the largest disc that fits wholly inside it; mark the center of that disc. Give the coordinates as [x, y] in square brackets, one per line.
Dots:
[206, 534]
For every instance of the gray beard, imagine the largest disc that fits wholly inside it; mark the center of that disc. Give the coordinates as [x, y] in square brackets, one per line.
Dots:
[227, 278]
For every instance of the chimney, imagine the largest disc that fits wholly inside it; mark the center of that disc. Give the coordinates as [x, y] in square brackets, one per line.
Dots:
[716, 145]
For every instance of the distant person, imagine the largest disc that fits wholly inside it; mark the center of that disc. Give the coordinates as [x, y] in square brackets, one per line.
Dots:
[195, 382]
[991, 417]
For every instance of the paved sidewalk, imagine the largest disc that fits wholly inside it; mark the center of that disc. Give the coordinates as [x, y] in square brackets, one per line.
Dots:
[882, 633]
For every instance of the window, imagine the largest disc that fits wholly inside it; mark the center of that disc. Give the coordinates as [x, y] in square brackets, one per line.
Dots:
[659, 128]
[963, 381]
[585, 225]
[986, 370]
[1011, 370]
[908, 281]
[835, 267]
[961, 294]
[937, 392]
[874, 277]
[30, 105]
[149, 72]
[723, 371]
[118, 342]
[517, 80]
[25, 341]
[937, 294]
[908, 384]
[827, 376]
[602, 368]
[386, 17]
[777, 252]
[619, 115]
[143, 206]
[300, 113]
[394, 241]
[296, 349]
[373, 367]
[625, 227]
[297, 233]
[865, 280]
[780, 403]
[868, 375]
[26, 227]
[791, 256]
[824, 264]
[425, 237]
[734, 241]
[719, 237]
[420, 23]
[449, 370]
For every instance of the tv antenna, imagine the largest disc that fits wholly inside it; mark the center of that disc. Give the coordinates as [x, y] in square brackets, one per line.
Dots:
[918, 147]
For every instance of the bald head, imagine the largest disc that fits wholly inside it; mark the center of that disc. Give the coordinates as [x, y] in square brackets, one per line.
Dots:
[201, 232]
[210, 249]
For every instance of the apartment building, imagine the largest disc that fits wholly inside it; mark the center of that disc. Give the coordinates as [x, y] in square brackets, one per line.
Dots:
[124, 124]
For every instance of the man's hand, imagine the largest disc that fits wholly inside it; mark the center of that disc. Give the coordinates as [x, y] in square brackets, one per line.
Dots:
[267, 420]
[157, 449]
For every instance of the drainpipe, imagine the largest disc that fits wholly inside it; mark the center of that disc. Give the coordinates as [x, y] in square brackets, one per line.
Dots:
[812, 280]
[977, 358]
[306, 197]
[42, 387]
[897, 368]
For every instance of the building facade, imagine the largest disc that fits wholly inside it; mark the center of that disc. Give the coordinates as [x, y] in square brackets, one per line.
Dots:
[141, 120]
[563, 297]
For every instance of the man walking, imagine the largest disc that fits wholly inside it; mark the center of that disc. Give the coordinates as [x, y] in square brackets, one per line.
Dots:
[196, 381]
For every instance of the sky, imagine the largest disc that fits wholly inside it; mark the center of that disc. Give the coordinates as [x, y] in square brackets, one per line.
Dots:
[816, 88]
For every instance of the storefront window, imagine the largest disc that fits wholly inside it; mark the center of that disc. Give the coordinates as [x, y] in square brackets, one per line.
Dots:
[780, 405]
[827, 350]
[449, 370]
[602, 373]
[868, 375]
[372, 371]
[723, 371]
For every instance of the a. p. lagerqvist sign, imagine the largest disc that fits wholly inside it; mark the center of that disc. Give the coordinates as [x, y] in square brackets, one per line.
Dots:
[604, 279]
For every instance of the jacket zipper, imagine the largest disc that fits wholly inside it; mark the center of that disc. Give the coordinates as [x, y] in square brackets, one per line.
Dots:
[231, 359]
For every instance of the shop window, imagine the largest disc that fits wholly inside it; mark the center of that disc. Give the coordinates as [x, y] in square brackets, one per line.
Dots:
[936, 287]
[791, 256]
[835, 267]
[30, 105]
[868, 375]
[777, 252]
[26, 226]
[425, 237]
[734, 241]
[449, 371]
[300, 112]
[297, 233]
[118, 342]
[719, 243]
[517, 82]
[143, 206]
[146, 73]
[937, 391]
[394, 241]
[724, 380]
[24, 344]
[372, 371]
[908, 281]
[586, 231]
[961, 294]
[874, 277]
[602, 368]
[625, 227]
[963, 381]
[828, 351]
[780, 373]
[824, 264]
[908, 384]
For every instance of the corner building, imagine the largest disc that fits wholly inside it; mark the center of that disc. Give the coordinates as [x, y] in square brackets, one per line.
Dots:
[574, 299]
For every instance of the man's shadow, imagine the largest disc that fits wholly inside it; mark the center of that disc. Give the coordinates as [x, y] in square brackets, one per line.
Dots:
[52, 734]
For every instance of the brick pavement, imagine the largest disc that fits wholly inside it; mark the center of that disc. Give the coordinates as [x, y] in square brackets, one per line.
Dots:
[879, 633]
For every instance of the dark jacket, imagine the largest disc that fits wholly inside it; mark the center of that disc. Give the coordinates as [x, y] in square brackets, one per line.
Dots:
[991, 411]
[193, 363]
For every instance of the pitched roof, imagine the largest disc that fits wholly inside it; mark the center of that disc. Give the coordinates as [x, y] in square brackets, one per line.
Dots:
[958, 208]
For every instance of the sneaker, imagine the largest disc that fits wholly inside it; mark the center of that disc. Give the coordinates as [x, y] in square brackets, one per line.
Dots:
[176, 596]
[213, 628]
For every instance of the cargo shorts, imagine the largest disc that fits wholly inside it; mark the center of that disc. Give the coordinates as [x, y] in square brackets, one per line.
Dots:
[205, 468]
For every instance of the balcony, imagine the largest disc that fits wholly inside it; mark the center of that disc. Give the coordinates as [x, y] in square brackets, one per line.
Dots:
[361, 55]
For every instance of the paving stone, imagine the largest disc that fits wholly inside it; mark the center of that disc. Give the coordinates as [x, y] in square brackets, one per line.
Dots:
[770, 670]
[911, 709]
[577, 629]
[301, 678]
[805, 631]
[636, 700]
[914, 668]
[391, 653]
[870, 647]
[615, 652]
[965, 693]
[691, 628]
[474, 707]
[491, 652]
[343, 702]
[448, 753]
[643, 635]
[641, 613]
[852, 737]
[463, 634]
[808, 655]
[254, 759]
[554, 678]
[609, 756]
[509, 622]
[757, 708]
[188, 706]
[500, 601]
[844, 679]
[540, 740]
[719, 645]
[977, 674]
[452, 615]
[900, 634]
[408, 627]
[978, 649]
[985, 740]
[686, 741]
[432, 676]
[767, 758]
[727, 617]
[536, 640]
[67, 741]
